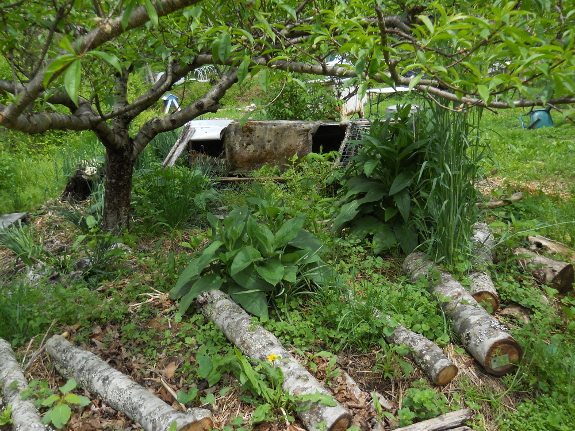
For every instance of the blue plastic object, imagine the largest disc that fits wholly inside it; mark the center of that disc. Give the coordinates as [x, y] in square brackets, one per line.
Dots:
[537, 118]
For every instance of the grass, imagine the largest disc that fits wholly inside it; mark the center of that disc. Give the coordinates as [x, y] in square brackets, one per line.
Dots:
[122, 311]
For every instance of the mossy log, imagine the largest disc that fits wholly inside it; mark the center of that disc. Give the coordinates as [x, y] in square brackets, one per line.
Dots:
[25, 417]
[448, 421]
[481, 334]
[557, 274]
[121, 392]
[426, 354]
[257, 343]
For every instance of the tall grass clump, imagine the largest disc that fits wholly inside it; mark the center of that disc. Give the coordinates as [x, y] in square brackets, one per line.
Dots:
[449, 175]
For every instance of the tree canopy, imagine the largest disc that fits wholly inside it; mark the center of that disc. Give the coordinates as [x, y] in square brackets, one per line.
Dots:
[69, 64]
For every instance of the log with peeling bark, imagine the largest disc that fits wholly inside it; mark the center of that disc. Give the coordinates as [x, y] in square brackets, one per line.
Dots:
[539, 242]
[257, 343]
[557, 274]
[482, 243]
[484, 337]
[426, 354]
[501, 203]
[13, 383]
[120, 392]
[448, 421]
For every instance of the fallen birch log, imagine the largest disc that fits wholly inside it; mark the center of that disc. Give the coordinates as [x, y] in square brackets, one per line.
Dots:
[121, 392]
[539, 242]
[559, 275]
[257, 343]
[426, 354]
[481, 334]
[13, 383]
[447, 421]
[482, 287]
[501, 203]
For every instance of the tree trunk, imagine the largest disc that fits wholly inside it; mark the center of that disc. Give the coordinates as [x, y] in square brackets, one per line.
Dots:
[448, 421]
[426, 354]
[482, 335]
[118, 189]
[559, 275]
[257, 343]
[25, 417]
[120, 392]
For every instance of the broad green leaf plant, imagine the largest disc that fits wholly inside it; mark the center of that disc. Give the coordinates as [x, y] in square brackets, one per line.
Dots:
[255, 257]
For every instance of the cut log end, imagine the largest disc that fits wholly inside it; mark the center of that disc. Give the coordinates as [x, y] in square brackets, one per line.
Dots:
[446, 375]
[342, 424]
[487, 300]
[204, 424]
[503, 357]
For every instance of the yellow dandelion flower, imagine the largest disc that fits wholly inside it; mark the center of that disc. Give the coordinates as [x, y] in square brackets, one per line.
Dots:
[272, 358]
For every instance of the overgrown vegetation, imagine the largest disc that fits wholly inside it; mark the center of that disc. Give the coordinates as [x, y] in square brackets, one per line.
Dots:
[112, 290]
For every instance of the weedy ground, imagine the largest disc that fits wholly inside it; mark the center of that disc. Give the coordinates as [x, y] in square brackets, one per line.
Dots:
[114, 302]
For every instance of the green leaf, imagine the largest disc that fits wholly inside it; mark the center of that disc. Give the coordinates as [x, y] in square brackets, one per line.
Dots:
[50, 400]
[225, 47]
[72, 80]
[112, 60]
[308, 241]
[66, 44]
[288, 231]
[403, 180]
[151, 11]
[243, 69]
[60, 415]
[57, 65]
[272, 271]
[253, 302]
[204, 366]
[194, 268]
[73, 399]
[369, 166]
[204, 284]
[427, 22]
[245, 257]
[403, 203]
[130, 6]
[249, 279]
[483, 92]
[347, 213]
[69, 386]
[260, 234]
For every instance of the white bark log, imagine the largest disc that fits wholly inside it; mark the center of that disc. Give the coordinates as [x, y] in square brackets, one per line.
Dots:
[426, 354]
[539, 242]
[554, 273]
[481, 334]
[25, 417]
[447, 421]
[496, 204]
[121, 392]
[482, 287]
[484, 291]
[258, 343]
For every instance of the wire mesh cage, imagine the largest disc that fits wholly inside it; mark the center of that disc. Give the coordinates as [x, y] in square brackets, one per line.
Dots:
[356, 130]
